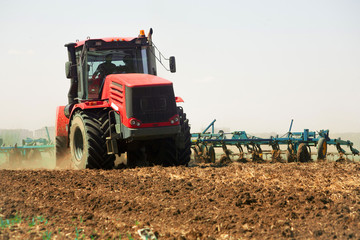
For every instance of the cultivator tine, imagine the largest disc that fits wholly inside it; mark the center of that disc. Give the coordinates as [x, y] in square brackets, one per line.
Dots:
[354, 151]
[241, 152]
[340, 149]
[275, 153]
[227, 152]
[341, 152]
[257, 153]
[249, 149]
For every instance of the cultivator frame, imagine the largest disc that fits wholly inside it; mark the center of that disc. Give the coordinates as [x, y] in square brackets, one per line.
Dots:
[30, 149]
[298, 145]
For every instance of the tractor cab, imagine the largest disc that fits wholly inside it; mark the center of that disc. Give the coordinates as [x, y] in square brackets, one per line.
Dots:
[92, 60]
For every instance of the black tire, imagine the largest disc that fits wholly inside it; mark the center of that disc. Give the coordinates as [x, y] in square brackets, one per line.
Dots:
[108, 161]
[303, 153]
[62, 152]
[184, 152]
[290, 154]
[137, 158]
[162, 152]
[211, 154]
[88, 141]
[322, 149]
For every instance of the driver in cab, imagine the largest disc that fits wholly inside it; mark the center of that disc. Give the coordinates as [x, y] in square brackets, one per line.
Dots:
[105, 68]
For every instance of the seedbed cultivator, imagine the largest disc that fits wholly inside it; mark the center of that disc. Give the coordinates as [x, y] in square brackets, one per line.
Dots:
[30, 150]
[296, 146]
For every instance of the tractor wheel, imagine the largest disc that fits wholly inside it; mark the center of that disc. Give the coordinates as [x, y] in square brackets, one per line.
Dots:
[108, 161]
[162, 152]
[322, 149]
[303, 153]
[185, 152]
[87, 141]
[61, 151]
[137, 158]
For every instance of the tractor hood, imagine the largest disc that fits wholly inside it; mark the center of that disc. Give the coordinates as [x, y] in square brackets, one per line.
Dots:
[148, 98]
[135, 80]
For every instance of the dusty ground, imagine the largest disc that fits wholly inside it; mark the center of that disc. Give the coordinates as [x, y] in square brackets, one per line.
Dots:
[237, 201]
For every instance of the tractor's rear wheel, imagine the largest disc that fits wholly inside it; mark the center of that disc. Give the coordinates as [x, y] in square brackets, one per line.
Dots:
[184, 152]
[303, 154]
[62, 152]
[137, 158]
[88, 140]
[162, 152]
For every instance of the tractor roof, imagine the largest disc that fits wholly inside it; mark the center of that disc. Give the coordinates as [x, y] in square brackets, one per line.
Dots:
[108, 39]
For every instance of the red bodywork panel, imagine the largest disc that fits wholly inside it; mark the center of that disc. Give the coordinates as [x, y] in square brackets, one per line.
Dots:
[61, 122]
[178, 99]
[91, 104]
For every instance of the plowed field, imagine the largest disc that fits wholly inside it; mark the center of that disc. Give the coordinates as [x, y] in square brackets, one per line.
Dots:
[235, 201]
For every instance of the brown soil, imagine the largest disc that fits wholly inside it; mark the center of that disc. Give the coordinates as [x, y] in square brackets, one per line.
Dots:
[238, 201]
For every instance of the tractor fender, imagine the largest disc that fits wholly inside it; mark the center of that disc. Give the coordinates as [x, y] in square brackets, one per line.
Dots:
[61, 122]
[178, 99]
[97, 104]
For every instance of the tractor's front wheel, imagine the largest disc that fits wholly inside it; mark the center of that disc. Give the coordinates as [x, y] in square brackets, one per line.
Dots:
[87, 141]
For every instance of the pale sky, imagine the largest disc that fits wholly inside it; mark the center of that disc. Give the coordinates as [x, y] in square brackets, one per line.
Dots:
[252, 65]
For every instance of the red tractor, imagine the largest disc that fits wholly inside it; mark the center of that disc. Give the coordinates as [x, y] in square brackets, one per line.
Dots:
[118, 105]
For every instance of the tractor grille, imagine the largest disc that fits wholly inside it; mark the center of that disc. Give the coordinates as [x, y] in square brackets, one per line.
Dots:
[150, 104]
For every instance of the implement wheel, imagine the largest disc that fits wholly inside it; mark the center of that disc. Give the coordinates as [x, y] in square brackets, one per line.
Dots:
[290, 154]
[87, 141]
[303, 153]
[211, 154]
[322, 149]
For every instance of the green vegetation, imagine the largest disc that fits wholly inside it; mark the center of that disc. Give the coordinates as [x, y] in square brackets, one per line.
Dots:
[8, 223]
[31, 224]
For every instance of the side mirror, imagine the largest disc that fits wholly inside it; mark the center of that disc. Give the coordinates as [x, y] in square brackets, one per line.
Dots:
[68, 69]
[172, 64]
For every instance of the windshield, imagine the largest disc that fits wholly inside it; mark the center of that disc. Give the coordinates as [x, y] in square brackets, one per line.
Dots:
[102, 63]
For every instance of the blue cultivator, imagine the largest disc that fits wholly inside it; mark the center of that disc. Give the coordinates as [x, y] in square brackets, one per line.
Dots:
[31, 149]
[297, 145]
